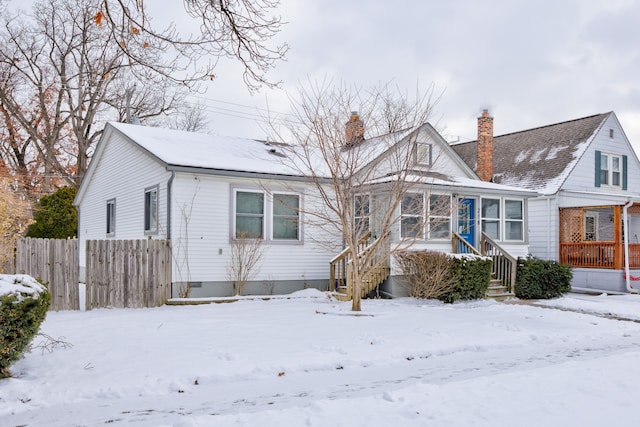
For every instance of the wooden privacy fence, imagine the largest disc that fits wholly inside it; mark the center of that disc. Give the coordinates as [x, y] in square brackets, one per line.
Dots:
[128, 273]
[55, 262]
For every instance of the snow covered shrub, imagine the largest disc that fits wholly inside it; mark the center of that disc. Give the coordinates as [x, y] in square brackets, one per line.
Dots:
[427, 274]
[472, 275]
[23, 306]
[540, 279]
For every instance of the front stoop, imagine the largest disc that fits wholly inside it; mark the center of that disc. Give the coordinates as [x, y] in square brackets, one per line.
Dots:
[498, 291]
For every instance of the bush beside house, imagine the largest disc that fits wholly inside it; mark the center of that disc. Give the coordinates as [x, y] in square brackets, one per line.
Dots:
[449, 278]
[23, 306]
[541, 279]
[472, 274]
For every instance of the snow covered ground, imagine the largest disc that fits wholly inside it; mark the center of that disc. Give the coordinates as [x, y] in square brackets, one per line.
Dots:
[308, 362]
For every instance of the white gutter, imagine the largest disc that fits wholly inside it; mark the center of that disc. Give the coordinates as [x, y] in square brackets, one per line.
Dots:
[626, 248]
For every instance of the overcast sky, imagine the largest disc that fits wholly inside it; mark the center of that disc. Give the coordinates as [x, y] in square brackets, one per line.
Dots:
[531, 63]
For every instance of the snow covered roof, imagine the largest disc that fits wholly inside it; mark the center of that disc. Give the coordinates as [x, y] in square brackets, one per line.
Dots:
[198, 150]
[540, 158]
[466, 185]
[177, 148]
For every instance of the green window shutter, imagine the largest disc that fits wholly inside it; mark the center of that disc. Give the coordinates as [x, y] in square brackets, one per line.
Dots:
[624, 172]
[598, 156]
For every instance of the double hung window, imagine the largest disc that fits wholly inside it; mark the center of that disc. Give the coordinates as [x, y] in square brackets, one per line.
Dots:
[273, 216]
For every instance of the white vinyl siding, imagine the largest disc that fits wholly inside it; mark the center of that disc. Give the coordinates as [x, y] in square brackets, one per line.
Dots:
[583, 177]
[202, 251]
[123, 172]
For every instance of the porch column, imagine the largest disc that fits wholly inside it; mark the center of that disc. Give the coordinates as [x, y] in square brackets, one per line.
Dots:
[618, 259]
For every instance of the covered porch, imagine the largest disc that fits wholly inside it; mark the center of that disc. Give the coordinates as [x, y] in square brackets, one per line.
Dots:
[594, 237]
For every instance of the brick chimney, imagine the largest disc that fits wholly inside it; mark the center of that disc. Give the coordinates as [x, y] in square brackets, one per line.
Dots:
[354, 130]
[484, 167]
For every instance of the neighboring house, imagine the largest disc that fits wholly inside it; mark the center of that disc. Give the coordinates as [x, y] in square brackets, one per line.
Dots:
[588, 213]
[203, 192]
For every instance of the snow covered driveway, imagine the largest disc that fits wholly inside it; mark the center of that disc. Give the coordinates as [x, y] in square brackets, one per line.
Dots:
[284, 363]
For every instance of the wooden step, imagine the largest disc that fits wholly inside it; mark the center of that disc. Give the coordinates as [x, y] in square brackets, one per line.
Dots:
[498, 291]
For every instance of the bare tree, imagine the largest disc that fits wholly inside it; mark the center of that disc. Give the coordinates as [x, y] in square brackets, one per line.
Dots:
[359, 178]
[236, 29]
[246, 253]
[61, 75]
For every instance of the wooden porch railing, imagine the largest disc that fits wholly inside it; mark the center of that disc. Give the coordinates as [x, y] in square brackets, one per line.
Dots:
[461, 246]
[338, 265]
[375, 254]
[504, 265]
[589, 254]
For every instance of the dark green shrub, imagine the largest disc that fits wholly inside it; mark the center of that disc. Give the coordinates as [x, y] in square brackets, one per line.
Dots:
[56, 217]
[541, 279]
[472, 274]
[23, 306]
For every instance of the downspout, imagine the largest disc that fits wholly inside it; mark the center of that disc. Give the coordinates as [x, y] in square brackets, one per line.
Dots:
[169, 186]
[625, 224]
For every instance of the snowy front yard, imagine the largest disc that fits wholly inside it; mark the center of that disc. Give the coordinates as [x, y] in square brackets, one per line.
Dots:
[307, 362]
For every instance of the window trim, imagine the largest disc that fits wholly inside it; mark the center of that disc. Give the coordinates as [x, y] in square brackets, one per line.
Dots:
[111, 218]
[601, 166]
[147, 211]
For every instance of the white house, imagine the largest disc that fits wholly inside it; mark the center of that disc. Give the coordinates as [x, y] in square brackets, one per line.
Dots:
[588, 177]
[203, 192]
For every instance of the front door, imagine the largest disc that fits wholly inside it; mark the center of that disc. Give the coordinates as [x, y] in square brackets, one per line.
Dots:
[466, 220]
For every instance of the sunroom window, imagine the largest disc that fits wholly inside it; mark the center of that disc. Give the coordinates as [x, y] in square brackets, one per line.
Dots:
[361, 213]
[412, 215]
[491, 217]
[439, 216]
[513, 220]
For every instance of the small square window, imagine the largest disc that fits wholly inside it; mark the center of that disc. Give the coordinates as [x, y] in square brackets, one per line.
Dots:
[423, 154]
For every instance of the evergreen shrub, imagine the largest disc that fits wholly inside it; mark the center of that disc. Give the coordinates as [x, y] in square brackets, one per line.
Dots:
[23, 306]
[56, 217]
[541, 279]
[472, 274]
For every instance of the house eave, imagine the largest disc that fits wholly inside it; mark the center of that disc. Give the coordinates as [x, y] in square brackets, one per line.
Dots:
[242, 174]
